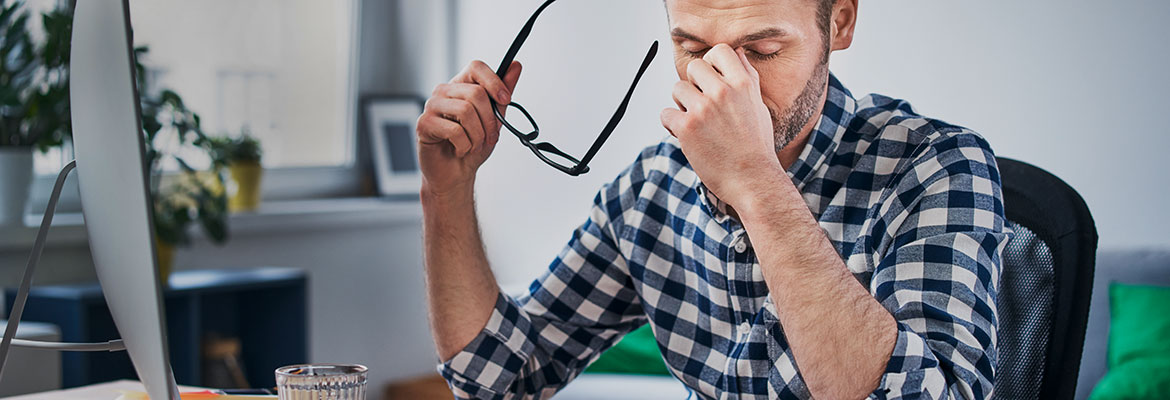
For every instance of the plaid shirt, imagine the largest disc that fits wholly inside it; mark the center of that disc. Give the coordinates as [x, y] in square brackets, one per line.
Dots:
[912, 205]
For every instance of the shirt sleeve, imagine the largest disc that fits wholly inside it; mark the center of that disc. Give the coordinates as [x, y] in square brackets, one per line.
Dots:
[534, 345]
[939, 272]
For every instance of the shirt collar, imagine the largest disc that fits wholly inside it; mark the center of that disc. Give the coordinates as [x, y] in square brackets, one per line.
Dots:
[823, 140]
[834, 121]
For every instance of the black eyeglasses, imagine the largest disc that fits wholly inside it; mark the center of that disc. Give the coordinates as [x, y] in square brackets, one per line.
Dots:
[544, 150]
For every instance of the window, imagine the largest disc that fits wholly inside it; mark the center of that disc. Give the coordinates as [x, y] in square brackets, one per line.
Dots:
[282, 69]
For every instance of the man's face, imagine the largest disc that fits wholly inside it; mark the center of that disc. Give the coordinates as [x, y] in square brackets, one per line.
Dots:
[782, 40]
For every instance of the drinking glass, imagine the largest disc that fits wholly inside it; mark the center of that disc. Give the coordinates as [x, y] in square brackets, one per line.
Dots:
[321, 382]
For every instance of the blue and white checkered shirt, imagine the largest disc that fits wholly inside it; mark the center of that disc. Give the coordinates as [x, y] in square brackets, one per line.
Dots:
[912, 204]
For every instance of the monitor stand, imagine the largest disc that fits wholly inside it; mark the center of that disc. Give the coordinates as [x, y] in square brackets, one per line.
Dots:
[9, 339]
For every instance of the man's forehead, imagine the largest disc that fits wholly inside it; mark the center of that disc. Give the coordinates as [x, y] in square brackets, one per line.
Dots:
[740, 8]
[721, 21]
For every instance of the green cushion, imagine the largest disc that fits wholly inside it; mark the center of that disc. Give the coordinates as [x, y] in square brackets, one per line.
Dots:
[637, 353]
[1147, 378]
[1139, 344]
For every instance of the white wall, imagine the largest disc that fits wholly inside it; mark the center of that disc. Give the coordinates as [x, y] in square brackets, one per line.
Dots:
[578, 63]
[1074, 87]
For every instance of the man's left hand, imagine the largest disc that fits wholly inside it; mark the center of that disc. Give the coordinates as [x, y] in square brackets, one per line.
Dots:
[724, 127]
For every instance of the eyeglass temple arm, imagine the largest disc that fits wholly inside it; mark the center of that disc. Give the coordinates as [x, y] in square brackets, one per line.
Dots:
[520, 38]
[621, 111]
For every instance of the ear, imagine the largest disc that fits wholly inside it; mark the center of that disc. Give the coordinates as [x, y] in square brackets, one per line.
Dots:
[842, 24]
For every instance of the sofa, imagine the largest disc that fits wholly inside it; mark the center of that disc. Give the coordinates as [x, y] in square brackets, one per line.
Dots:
[1138, 266]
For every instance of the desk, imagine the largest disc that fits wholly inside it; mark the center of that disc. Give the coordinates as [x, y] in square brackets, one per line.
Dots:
[588, 386]
[263, 307]
[101, 391]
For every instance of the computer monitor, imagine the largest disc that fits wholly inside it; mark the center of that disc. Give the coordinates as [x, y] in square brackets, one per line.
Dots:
[115, 197]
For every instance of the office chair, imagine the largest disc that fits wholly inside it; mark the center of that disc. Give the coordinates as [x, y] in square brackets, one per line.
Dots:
[1045, 284]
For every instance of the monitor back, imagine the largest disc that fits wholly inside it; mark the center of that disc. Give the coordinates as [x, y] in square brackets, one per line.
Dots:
[109, 148]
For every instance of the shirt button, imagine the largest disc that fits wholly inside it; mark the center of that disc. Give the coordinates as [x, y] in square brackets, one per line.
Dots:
[744, 328]
[741, 246]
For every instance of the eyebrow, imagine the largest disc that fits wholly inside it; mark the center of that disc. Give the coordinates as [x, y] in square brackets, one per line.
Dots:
[768, 33]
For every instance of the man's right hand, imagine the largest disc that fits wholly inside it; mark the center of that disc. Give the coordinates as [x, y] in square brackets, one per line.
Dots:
[458, 130]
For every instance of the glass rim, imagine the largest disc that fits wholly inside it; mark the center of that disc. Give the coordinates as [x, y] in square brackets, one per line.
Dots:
[344, 369]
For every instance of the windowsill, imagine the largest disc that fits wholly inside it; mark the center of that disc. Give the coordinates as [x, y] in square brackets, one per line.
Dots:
[275, 216]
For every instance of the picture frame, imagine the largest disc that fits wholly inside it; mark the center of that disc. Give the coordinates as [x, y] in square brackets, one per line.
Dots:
[390, 127]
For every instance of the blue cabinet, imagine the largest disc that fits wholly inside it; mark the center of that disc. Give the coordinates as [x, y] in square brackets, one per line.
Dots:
[265, 308]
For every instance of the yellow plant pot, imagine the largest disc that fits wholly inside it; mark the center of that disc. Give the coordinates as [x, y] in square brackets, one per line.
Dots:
[246, 176]
[166, 260]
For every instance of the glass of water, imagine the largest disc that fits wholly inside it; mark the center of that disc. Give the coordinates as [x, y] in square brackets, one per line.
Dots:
[321, 382]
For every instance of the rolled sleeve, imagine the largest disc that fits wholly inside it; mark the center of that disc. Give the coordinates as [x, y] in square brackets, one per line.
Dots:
[940, 275]
[534, 345]
[910, 368]
[487, 366]
[944, 302]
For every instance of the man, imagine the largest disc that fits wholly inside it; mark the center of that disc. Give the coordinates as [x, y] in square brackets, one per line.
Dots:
[785, 241]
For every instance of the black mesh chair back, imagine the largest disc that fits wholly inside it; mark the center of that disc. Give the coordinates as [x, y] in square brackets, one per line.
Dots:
[1045, 284]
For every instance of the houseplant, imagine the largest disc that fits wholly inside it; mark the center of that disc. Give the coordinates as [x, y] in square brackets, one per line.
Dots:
[189, 196]
[241, 156]
[33, 101]
[34, 114]
[192, 196]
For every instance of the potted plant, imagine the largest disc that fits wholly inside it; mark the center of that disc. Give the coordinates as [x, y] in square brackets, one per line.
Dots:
[189, 196]
[33, 102]
[169, 128]
[192, 196]
[241, 156]
[34, 113]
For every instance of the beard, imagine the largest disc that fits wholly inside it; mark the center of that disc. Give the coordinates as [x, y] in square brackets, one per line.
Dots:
[786, 127]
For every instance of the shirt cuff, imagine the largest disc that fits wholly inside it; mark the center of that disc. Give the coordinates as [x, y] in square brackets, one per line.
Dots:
[912, 371]
[488, 366]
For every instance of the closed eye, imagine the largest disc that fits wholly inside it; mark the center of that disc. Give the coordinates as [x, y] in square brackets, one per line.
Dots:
[696, 54]
[762, 57]
[750, 53]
